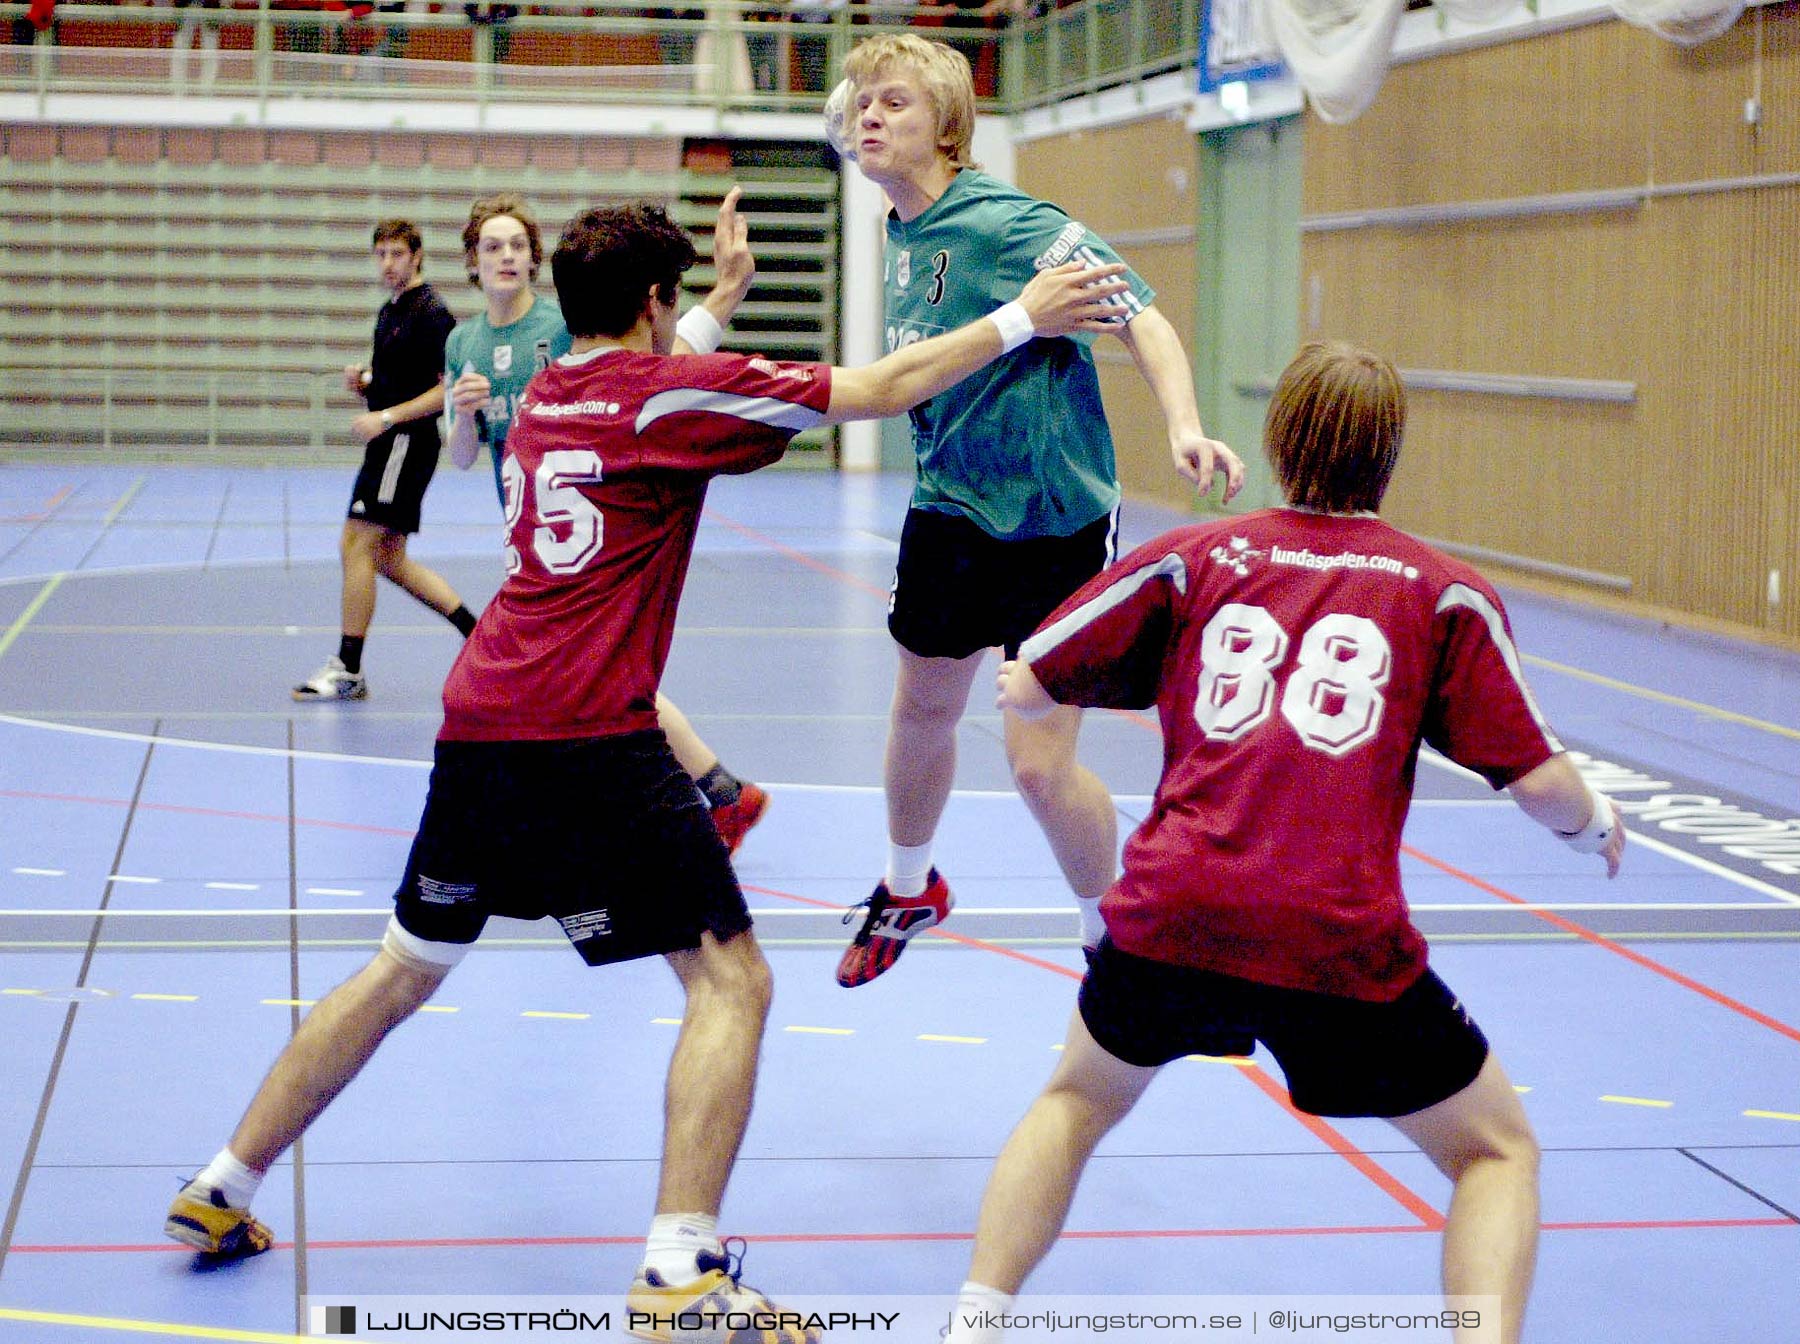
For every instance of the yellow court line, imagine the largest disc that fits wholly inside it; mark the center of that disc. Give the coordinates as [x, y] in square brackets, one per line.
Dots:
[31, 609]
[1772, 1115]
[112, 514]
[307, 1003]
[439, 1008]
[1644, 692]
[195, 998]
[676, 1021]
[1236, 1061]
[1637, 1101]
[963, 1040]
[582, 1017]
[150, 1327]
[847, 1031]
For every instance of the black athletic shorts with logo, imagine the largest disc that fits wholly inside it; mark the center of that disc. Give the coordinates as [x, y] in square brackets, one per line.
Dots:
[958, 591]
[1340, 1056]
[606, 835]
[397, 466]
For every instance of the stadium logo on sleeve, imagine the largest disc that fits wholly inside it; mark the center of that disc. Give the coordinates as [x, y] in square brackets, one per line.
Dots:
[1063, 248]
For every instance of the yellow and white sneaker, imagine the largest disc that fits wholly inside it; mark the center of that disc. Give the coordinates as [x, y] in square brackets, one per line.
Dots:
[715, 1307]
[201, 1218]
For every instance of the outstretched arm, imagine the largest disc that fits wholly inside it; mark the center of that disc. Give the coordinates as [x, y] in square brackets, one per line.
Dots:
[1156, 349]
[734, 268]
[1065, 299]
[1555, 795]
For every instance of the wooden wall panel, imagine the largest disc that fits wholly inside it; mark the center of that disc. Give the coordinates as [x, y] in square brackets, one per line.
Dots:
[1564, 112]
[1119, 181]
[1116, 179]
[1693, 491]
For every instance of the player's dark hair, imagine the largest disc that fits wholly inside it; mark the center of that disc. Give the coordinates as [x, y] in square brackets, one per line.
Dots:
[398, 230]
[1334, 427]
[512, 205]
[611, 259]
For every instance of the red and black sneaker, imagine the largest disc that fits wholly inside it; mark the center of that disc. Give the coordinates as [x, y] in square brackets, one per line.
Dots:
[890, 922]
[734, 820]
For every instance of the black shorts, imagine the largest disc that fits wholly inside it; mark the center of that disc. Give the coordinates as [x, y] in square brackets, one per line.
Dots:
[1340, 1056]
[390, 488]
[958, 591]
[608, 836]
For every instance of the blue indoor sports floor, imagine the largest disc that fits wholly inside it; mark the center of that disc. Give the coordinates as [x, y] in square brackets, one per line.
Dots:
[187, 858]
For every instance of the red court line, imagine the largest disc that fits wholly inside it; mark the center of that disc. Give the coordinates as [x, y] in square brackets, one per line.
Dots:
[48, 509]
[1601, 940]
[1429, 1217]
[218, 812]
[797, 556]
[881, 1238]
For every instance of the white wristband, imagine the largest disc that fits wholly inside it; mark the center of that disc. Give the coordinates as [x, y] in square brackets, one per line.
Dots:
[1015, 325]
[1592, 838]
[701, 330]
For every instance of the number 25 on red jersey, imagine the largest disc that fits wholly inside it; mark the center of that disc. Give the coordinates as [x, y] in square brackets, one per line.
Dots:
[560, 502]
[1333, 696]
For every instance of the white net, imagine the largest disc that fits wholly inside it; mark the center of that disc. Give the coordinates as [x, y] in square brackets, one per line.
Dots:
[1687, 22]
[1337, 49]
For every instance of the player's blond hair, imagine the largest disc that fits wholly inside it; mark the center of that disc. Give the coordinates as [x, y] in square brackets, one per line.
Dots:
[940, 69]
[1334, 427]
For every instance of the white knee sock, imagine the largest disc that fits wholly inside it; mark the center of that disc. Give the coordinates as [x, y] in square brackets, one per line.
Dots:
[909, 866]
[231, 1178]
[675, 1243]
[968, 1323]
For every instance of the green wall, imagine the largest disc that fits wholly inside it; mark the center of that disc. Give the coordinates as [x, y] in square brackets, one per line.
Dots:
[1249, 278]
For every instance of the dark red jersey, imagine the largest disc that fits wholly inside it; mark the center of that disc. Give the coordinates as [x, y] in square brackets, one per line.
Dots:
[605, 473]
[1297, 660]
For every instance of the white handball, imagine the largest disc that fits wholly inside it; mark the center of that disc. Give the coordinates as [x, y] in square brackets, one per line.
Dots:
[837, 118]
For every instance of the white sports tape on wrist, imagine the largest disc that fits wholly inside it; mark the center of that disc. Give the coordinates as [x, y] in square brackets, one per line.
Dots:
[1592, 838]
[1015, 325]
[701, 330]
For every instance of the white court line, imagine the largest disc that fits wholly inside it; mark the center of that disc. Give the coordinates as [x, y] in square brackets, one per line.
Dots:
[789, 912]
[118, 735]
[1429, 757]
[232, 748]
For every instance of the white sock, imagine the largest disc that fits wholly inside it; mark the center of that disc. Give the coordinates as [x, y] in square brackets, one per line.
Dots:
[973, 1304]
[908, 868]
[1092, 926]
[231, 1178]
[675, 1242]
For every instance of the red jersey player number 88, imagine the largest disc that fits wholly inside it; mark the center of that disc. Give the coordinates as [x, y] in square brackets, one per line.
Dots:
[1333, 697]
[560, 475]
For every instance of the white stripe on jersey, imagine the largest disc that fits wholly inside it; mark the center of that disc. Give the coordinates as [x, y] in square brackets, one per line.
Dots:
[1126, 300]
[1171, 567]
[1461, 595]
[763, 410]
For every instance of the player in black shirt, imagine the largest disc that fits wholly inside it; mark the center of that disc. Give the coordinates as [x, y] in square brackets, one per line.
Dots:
[403, 384]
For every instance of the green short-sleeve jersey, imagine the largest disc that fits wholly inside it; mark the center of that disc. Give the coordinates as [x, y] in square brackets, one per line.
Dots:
[508, 355]
[1021, 448]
